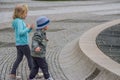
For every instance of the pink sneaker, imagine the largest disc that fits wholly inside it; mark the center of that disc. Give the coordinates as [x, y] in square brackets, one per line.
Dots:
[14, 77]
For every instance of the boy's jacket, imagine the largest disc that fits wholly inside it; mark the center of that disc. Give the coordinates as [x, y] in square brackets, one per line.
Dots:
[39, 40]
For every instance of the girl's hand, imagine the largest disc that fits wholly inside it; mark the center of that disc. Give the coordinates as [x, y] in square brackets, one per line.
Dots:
[37, 49]
[30, 26]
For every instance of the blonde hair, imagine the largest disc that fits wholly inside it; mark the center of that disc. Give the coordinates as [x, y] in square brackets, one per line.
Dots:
[20, 11]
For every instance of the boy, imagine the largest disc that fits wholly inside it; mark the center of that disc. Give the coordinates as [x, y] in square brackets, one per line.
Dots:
[39, 43]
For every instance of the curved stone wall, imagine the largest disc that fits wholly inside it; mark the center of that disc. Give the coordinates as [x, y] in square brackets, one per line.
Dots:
[82, 59]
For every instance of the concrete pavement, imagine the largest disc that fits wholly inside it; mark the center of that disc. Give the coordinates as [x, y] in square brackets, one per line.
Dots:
[66, 25]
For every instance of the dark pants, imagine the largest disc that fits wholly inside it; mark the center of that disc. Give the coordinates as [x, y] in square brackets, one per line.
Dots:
[39, 63]
[21, 51]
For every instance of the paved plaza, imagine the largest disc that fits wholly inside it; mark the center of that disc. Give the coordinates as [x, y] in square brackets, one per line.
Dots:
[69, 20]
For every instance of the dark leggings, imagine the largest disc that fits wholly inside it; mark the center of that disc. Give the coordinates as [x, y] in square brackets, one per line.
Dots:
[21, 51]
[39, 63]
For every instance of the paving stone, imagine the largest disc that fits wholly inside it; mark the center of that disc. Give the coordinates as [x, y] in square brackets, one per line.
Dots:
[63, 29]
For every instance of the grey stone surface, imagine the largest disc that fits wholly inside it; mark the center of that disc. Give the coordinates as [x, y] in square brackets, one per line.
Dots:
[65, 27]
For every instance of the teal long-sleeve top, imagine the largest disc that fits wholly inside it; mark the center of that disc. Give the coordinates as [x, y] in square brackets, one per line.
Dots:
[21, 32]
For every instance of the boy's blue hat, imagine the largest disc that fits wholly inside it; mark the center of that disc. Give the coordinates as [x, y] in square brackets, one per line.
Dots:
[42, 22]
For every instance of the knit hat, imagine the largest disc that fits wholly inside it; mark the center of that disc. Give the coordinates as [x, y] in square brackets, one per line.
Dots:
[42, 22]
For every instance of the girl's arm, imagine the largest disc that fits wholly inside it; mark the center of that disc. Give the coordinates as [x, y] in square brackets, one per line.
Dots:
[22, 29]
[31, 27]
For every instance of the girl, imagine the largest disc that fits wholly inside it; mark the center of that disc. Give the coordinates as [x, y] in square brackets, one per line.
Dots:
[21, 37]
